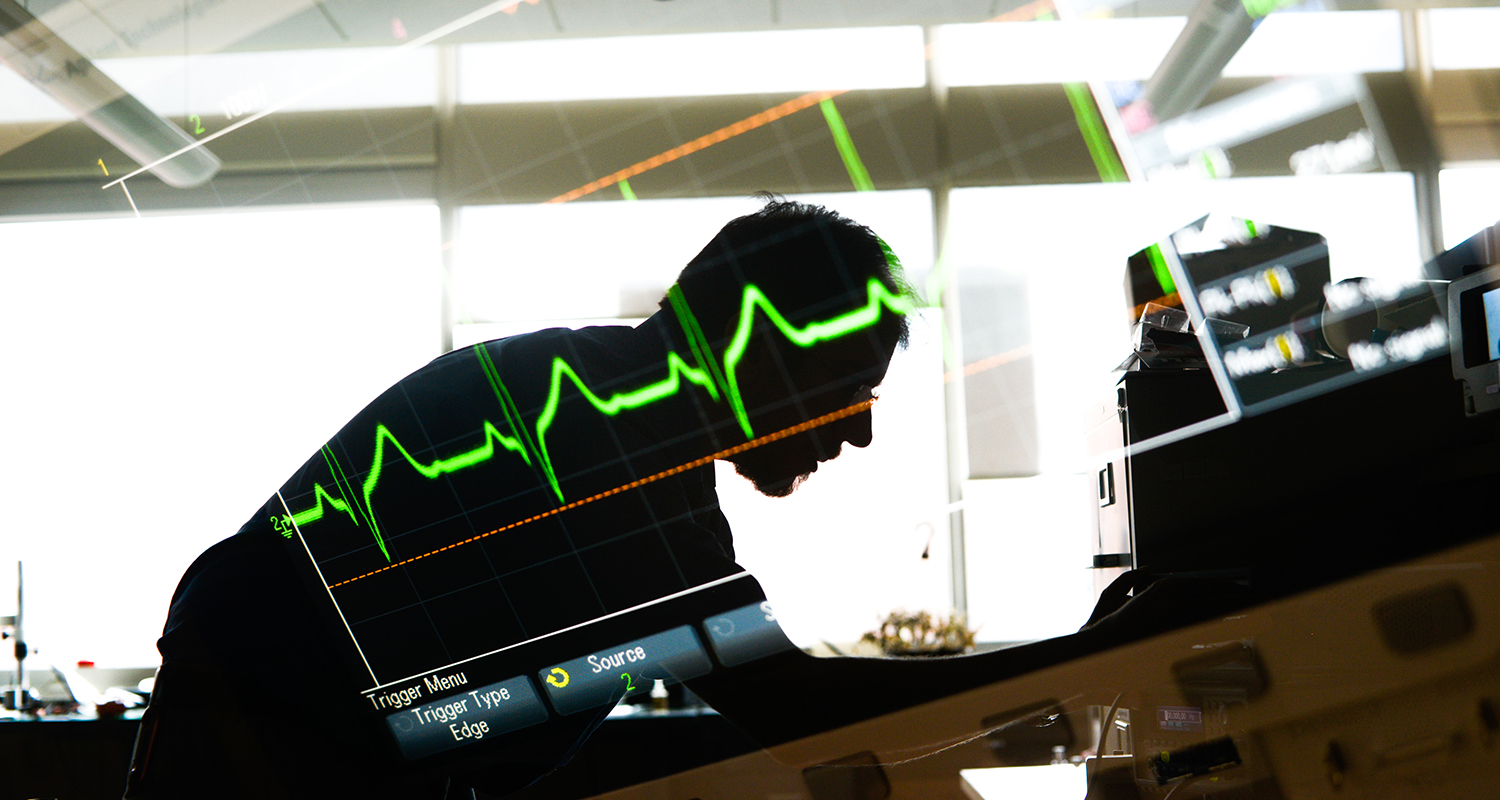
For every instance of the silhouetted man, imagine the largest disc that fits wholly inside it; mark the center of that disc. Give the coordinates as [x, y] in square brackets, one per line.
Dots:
[508, 492]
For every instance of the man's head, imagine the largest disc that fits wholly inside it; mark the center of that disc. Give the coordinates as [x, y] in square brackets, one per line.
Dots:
[812, 267]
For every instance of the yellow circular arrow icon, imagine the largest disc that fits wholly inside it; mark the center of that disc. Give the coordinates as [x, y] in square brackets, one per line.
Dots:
[558, 678]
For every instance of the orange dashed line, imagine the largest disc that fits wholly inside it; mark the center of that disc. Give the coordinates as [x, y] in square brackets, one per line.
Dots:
[694, 464]
[1029, 11]
[987, 363]
[748, 123]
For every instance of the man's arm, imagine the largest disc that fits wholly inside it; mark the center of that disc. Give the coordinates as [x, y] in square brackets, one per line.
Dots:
[791, 695]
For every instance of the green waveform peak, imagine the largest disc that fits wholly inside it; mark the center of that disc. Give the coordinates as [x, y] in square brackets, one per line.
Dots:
[532, 449]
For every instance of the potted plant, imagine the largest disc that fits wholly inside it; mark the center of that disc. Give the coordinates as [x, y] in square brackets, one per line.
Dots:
[921, 634]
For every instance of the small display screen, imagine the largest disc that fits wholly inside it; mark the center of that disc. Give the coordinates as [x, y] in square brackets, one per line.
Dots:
[1492, 322]
[1179, 719]
[1479, 310]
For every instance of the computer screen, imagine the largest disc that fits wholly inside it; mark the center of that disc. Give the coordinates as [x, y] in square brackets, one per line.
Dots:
[1480, 306]
[1492, 321]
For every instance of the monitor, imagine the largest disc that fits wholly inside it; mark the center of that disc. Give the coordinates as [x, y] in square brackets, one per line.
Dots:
[1474, 330]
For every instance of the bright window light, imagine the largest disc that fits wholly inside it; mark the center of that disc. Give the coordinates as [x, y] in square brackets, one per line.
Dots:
[1026, 543]
[1287, 43]
[1469, 201]
[1464, 38]
[595, 260]
[577, 260]
[691, 65]
[172, 372]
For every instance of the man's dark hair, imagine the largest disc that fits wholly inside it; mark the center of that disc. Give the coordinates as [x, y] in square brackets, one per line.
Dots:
[811, 263]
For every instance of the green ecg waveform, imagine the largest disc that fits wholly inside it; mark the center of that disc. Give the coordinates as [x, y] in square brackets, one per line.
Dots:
[532, 448]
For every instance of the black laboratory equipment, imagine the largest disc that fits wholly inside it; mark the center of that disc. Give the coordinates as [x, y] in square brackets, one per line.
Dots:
[1317, 445]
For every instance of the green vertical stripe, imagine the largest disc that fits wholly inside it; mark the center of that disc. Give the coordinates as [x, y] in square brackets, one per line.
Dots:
[1159, 268]
[697, 341]
[368, 512]
[507, 406]
[1091, 125]
[625, 190]
[845, 143]
[349, 506]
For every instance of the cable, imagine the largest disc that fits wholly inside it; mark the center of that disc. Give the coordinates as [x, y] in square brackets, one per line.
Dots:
[1109, 719]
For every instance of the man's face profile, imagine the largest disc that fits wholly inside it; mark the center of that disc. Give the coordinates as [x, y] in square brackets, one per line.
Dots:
[778, 468]
[800, 387]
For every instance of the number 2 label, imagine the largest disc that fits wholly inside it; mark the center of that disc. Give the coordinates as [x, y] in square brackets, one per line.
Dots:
[282, 524]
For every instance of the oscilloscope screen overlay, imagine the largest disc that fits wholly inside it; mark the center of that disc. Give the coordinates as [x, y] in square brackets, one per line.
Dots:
[432, 518]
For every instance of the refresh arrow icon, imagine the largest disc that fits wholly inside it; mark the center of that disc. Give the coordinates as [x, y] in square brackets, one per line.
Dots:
[558, 679]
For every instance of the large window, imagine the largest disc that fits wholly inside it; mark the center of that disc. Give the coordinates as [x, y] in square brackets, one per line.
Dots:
[1469, 201]
[166, 374]
[1059, 255]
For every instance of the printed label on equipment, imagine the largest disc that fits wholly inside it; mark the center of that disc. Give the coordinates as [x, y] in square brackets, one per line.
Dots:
[625, 669]
[467, 717]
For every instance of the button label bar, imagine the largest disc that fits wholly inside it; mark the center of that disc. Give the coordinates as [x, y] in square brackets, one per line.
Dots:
[607, 675]
[745, 634]
[467, 717]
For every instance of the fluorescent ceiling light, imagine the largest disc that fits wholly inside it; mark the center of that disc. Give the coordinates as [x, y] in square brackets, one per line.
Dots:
[70, 78]
[1125, 49]
[1015, 53]
[227, 85]
[688, 65]
[1322, 43]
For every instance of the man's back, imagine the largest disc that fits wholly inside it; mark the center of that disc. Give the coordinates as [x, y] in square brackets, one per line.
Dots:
[442, 521]
[494, 501]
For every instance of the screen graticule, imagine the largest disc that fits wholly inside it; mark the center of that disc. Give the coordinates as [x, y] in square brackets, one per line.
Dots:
[445, 529]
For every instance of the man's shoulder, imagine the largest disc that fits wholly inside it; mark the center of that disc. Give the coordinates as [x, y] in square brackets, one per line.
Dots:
[533, 351]
[604, 348]
[587, 336]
